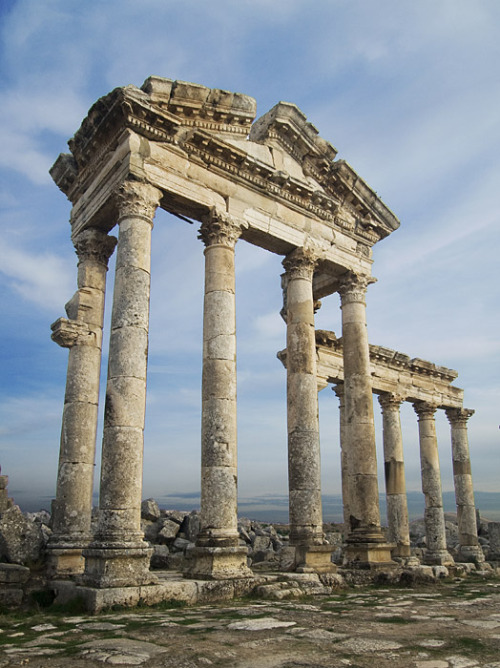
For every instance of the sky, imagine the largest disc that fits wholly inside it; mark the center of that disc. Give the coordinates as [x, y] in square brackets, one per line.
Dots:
[409, 94]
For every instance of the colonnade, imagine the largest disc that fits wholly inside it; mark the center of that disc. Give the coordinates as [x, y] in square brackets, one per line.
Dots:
[117, 554]
[395, 486]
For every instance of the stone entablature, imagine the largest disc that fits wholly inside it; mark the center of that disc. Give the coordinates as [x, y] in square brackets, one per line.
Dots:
[392, 372]
[198, 146]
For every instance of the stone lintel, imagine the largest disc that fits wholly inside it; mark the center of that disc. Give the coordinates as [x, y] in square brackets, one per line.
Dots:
[217, 563]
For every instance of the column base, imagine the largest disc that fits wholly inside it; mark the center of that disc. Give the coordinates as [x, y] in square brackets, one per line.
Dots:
[217, 563]
[401, 551]
[64, 563]
[471, 553]
[118, 566]
[314, 559]
[369, 555]
[438, 558]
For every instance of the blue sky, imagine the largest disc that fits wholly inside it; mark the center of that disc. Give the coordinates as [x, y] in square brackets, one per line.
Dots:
[408, 93]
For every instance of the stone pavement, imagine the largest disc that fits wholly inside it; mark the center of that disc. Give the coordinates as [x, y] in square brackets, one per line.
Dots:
[448, 625]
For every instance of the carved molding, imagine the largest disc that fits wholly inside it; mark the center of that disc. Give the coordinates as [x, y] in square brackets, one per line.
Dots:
[352, 287]
[68, 333]
[300, 263]
[138, 200]
[458, 417]
[94, 245]
[220, 228]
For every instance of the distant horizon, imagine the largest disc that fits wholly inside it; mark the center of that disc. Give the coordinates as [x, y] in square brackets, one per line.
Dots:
[274, 507]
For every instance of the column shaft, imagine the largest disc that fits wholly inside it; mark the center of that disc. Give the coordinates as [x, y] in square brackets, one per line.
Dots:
[344, 468]
[366, 544]
[436, 552]
[304, 465]
[217, 554]
[119, 556]
[395, 485]
[82, 334]
[469, 548]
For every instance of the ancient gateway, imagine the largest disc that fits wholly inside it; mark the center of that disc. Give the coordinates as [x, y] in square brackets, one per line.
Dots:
[197, 152]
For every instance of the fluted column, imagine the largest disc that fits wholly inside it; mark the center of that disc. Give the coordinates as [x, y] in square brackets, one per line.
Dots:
[395, 485]
[435, 532]
[344, 469]
[469, 548]
[81, 332]
[365, 542]
[304, 466]
[217, 554]
[119, 556]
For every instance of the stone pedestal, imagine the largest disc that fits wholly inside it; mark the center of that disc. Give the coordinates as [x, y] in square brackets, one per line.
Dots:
[365, 542]
[217, 554]
[118, 555]
[395, 485]
[436, 551]
[469, 548]
[81, 332]
[304, 466]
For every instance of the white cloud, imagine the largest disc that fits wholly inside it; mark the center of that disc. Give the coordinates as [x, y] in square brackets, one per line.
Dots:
[44, 279]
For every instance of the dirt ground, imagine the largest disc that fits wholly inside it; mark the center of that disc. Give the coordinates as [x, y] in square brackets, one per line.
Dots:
[453, 624]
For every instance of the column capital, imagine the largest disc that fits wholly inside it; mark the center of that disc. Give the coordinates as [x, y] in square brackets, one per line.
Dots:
[459, 416]
[68, 333]
[390, 400]
[338, 390]
[93, 244]
[220, 228]
[352, 287]
[300, 263]
[424, 410]
[138, 200]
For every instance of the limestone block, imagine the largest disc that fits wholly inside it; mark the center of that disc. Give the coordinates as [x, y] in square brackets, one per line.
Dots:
[21, 540]
[125, 402]
[82, 382]
[168, 531]
[131, 298]
[219, 379]
[160, 557]
[191, 526]
[219, 485]
[78, 432]
[13, 574]
[132, 344]
[134, 245]
[150, 510]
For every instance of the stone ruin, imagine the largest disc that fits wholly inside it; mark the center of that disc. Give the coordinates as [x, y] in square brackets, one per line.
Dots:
[275, 182]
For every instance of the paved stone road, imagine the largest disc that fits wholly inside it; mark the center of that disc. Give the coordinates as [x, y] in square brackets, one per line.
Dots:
[452, 625]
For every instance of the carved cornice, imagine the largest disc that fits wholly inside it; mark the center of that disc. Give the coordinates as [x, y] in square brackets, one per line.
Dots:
[68, 333]
[424, 410]
[137, 200]
[198, 120]
[352, 287]
[94, 245]
[390, 401]
[219, 228]
[458, 417]
[300, 263]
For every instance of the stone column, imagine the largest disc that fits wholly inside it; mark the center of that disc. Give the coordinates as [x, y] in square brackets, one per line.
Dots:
[366, 544]
[395, 486]
[304, 466]
[119, 556]
[217, 554]
[436, 552]
[81, 332]
[344, 470]
[469, 548]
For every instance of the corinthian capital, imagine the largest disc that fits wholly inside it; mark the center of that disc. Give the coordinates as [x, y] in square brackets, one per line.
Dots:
[352, 287]
[95, 245]
[218, 227]
[390, 400]
[139, 200]
[300, 263]
[424, 410]
[459, 416]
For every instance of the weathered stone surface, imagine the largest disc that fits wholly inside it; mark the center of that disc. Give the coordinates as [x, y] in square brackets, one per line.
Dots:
[150, 510]
[21, 539]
